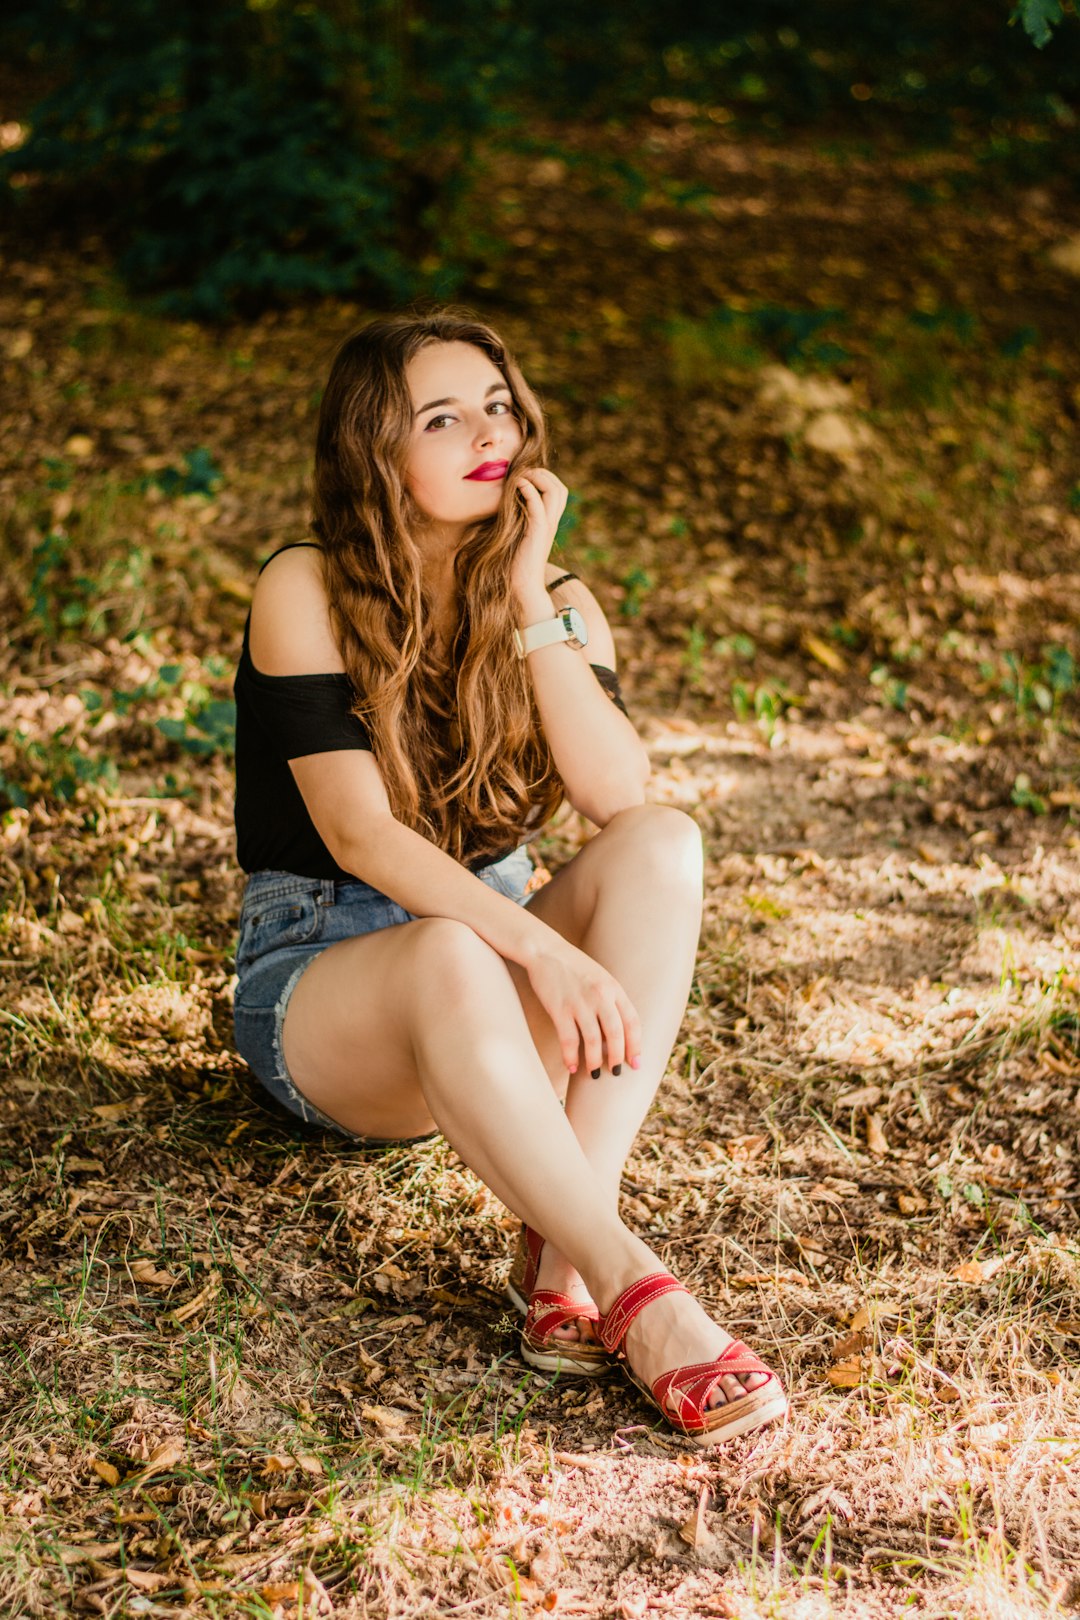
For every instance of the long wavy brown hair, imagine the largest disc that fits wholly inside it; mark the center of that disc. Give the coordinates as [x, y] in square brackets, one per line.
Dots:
[459, 744]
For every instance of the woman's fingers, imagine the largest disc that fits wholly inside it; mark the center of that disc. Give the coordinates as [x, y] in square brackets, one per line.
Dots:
[631, 1025]
[540, 484]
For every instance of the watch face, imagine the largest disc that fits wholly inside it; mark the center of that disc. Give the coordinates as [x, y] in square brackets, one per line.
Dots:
[579, 630]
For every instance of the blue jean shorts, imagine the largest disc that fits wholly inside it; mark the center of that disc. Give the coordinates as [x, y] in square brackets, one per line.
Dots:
[285, 921]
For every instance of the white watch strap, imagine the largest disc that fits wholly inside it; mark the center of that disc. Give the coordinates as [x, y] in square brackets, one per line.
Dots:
[542, 634]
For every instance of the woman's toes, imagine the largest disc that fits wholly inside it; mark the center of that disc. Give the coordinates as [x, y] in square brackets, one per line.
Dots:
[731, 1387]
[579, 1331]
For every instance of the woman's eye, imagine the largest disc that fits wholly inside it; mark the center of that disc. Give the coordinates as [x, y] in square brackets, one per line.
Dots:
[499, 405]
[435, 420]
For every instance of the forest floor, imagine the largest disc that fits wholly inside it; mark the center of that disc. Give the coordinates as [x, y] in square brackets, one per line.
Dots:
[248, 1369]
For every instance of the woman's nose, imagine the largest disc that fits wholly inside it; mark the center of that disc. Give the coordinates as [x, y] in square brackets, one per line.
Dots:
[490, 430]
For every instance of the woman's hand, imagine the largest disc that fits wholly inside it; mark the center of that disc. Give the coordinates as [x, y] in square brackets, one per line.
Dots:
[545, 499]
[592, 1014]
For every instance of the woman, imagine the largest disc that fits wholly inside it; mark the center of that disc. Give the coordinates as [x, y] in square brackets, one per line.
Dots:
[414, 699]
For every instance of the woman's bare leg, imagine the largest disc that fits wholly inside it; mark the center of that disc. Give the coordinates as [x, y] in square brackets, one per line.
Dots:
[419, 1024]
[632, 901]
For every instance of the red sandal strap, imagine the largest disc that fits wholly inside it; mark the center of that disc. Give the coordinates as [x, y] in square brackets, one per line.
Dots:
[682, 1393]
[615, 1323]
[549, 1310]
[534, 1245]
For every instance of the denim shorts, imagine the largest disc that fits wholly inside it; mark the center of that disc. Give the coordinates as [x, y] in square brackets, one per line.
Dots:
[285, 921]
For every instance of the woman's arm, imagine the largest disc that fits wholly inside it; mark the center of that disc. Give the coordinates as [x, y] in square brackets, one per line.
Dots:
[599, 755]
[346, 798]
[344, 792]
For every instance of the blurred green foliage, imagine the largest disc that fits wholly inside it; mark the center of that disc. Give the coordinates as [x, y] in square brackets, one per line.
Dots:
[237, 152]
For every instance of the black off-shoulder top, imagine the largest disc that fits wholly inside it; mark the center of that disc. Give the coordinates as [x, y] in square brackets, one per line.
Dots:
[284, 717]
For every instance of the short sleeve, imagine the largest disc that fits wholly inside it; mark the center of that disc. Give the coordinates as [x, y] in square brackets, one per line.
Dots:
[307, 714]
[610, 682]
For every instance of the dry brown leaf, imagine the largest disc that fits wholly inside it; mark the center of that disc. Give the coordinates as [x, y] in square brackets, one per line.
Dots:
[911, 1203]
[203, 1298]
[847, 1373]
[988, 1434]
[93, 1166]
[314, 1588]
[147, 1580]
[861, 1097]
[89, 1550]
[547, 1565]
[105, 1470]
[825, 654]
[389, 1420]
[163, 1457]
[695, 1531]
[743, 1148]
[145, 1271]
[852, 1344]
[978, 1271]
[876, 1140]
[572, 1459]
[758, 1279]
[275, 1592]
[119, 1110]
[811, 1251]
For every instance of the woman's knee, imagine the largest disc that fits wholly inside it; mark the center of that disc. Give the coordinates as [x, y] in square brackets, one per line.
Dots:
[449, 959]
[662, 839]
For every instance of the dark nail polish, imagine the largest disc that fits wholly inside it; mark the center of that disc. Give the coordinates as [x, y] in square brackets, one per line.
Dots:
[596, 1074]
[617, 1069]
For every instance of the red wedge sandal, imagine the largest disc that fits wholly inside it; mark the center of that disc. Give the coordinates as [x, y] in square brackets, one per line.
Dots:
[544, 1311]
[681, 1395]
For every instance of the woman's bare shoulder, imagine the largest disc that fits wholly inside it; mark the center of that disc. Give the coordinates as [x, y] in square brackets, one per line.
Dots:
[291, 631]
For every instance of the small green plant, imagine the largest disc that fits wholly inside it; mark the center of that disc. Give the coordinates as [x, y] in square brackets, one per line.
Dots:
[1036, 688]
[742, 340]
[1025, 798]
[64, 599]
[206, 724]
[766, 703]
[916, 355]
[198, 476]
[53, 769]
[693, 658]
[636, 585]
[208, 729]
[893, 690]
[735, 646]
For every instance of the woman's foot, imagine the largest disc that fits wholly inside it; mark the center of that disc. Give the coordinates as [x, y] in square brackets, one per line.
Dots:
[676, 1331]
[557, 1275]
[707, 1385]
[546, 1289]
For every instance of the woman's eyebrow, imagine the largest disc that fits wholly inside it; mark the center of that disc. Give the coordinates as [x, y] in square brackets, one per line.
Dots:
[452, 400]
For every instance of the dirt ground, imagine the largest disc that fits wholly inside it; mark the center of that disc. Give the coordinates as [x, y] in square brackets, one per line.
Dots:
[248, 1369]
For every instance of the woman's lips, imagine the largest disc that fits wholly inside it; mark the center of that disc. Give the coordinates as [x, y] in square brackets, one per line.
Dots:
[489, 470]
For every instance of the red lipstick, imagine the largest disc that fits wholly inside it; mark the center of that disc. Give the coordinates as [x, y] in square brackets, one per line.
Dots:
[489, 470]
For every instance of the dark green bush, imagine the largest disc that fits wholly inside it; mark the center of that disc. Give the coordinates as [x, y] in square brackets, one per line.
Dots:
[237, 152]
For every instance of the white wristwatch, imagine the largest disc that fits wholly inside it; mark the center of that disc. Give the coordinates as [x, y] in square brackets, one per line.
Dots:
[567, 625]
